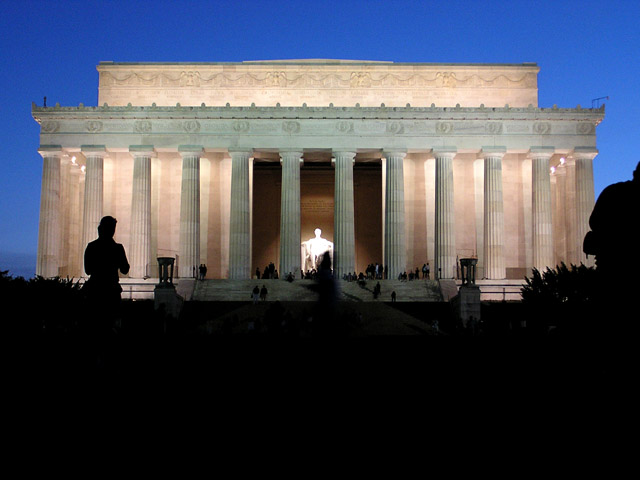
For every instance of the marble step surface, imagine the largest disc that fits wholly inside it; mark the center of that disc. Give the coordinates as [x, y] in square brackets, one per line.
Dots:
[306, 290]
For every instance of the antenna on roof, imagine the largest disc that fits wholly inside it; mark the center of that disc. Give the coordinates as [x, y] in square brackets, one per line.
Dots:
[595, 103]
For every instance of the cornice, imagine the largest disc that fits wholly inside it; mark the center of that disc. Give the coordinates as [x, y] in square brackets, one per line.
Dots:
[330, 112]
[312, 61]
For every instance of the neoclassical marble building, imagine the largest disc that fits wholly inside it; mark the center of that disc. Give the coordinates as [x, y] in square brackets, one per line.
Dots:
[234, 164]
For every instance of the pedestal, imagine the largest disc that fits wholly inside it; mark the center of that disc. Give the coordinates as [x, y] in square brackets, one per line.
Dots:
[466, 304]
[164, 295]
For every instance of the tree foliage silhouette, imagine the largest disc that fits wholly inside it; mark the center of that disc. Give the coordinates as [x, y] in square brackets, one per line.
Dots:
[40, 305]
[574, 284]
[563, 297]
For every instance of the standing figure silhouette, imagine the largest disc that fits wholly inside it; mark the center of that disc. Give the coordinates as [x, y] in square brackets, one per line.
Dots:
[614, 242]
[102, 259]
[614, 223]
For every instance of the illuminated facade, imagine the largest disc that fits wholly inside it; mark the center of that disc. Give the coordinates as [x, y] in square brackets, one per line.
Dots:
[233, 165]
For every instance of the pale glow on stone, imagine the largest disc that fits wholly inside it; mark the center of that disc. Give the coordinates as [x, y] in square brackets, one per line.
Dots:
[342, 114]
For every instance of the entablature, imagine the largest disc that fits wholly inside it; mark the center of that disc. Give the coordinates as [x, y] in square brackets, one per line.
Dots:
[408, 127]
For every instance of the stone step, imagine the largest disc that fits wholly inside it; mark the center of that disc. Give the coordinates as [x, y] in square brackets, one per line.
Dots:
[406, 291]
[363, 318]
[306, 290]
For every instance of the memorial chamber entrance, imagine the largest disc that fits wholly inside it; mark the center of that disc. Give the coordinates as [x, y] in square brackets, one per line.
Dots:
[317, 188]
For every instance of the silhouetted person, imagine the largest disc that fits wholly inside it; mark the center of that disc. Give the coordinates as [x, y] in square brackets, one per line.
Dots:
[614, 241]
[102, 260]
[614, 222]
[324, 320]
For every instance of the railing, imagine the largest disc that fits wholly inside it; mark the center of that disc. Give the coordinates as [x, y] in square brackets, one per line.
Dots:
[501, 291]
[137, 291]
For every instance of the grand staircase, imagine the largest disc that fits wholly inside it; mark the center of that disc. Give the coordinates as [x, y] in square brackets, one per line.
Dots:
[306, 290]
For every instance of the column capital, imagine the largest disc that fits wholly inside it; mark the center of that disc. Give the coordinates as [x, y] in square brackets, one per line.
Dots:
[587, 153]
[348, 153]
[386, 153]
[343, 154]
[142, 150]
[541, 152]
[291, 154]
[94, 151]
[50, 151]
[190, 150]
[446, 151]
[248, 152]
[492, 152]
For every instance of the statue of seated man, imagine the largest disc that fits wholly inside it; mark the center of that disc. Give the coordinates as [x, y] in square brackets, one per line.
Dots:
[313, 249]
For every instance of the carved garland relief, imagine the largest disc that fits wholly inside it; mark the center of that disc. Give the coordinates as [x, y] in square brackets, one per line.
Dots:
[444, 127]
[290, 127]
[93, 126]
[241, 126]
[344, 126]
[586, 128]
[280, 79]
[191, 126]
[50, 126]
[142, 126]
[494, 128]
[541, 128]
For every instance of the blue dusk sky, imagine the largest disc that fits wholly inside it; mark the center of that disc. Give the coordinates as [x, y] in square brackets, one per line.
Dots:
[585, 50]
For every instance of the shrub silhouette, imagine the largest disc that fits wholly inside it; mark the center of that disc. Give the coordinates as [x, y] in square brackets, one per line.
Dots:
[40, 306]
[564, 297]
[575, 284]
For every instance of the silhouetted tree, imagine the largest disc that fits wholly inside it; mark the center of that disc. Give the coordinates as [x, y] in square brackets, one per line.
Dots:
[563, 297]
[40, 306]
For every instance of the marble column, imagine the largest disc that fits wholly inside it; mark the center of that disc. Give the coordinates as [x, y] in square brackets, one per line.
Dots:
[542, 230]
[72, 244]
[585, 198]
[494, 265]
[559, 220]
[240, 220]
[445, 240]
[93, 192]
[49, 230]
[140, 234]
[290, 258]
[570, 212]
[189, 248]
[344, 250]
[395, 257]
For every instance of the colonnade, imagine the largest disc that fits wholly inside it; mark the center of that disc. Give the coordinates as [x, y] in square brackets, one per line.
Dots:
[576, 172]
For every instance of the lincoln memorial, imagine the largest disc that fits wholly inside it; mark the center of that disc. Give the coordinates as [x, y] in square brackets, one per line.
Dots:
[235, 165]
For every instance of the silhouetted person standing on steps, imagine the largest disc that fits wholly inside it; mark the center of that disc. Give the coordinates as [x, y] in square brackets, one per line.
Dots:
[102, 260]
[324, 317]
